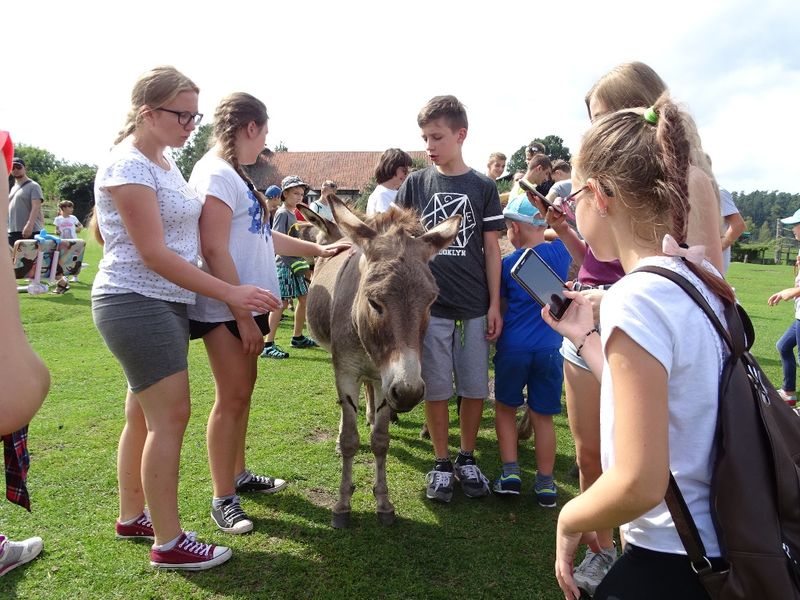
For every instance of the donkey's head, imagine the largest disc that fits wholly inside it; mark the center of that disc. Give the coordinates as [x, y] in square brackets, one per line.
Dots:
[395, 293]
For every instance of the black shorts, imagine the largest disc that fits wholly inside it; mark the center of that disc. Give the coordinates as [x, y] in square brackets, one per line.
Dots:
[198, 329]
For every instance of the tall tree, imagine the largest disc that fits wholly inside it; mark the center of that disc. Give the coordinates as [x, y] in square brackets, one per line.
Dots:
[194, 149]
[554, 148]
[78, 186]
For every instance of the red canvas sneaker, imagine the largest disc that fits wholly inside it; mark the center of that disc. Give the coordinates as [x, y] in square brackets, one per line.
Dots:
[141, 528]
[190, 555]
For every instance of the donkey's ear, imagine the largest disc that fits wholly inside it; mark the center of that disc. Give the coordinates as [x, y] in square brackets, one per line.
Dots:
[330, 230]
[441, 236]
[350, 224]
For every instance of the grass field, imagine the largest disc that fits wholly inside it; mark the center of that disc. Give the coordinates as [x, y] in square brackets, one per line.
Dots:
[493, 547]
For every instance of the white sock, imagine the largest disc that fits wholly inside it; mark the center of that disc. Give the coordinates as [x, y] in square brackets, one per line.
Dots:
[169, 545]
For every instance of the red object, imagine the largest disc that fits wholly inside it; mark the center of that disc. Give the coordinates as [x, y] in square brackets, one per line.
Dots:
[189, 554]
[299, 215]
[141, 528]
[8, 148]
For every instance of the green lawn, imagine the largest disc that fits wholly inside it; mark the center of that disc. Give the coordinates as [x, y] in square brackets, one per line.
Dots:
[495, 547]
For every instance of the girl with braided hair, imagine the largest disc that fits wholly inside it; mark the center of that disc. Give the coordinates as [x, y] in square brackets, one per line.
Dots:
[658, 358]
[238, 247]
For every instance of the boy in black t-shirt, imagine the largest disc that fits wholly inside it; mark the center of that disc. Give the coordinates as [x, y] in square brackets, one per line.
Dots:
[466, 315]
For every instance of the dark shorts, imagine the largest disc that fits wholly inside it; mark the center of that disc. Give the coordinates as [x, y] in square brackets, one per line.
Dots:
[198, 329]
[13, 236]
[541, 371]
[149, 337]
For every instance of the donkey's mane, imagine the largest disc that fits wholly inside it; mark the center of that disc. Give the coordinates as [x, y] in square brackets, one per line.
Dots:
[399, 219]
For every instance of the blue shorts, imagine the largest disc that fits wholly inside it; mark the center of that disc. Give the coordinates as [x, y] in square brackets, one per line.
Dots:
[542, 371]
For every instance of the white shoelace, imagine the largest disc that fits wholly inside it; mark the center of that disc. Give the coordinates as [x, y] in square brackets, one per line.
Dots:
[144, 520]
[441, 478]
[190, 544]
[472, 472]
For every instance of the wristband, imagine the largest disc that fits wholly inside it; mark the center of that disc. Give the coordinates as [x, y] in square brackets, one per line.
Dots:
[586, 337]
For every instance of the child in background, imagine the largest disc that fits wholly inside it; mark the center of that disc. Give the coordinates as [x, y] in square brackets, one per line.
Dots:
[291, 272]
[528, 355]
[67, 224]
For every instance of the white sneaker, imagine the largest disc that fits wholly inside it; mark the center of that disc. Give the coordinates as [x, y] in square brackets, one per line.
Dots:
[14, 554]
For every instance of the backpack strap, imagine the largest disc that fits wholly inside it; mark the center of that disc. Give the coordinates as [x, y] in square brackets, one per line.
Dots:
[738, 339]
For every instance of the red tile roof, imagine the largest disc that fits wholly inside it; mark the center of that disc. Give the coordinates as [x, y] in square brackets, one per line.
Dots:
[350, 170]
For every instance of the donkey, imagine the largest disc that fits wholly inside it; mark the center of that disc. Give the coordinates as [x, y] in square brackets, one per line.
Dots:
[370, 308]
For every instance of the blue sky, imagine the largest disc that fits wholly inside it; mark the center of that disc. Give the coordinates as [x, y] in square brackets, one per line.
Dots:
[353, 75]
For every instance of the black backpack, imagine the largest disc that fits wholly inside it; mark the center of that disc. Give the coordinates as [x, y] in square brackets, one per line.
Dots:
[755, 484]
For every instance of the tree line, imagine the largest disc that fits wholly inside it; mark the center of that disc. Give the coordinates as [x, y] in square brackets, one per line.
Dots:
[761, 211]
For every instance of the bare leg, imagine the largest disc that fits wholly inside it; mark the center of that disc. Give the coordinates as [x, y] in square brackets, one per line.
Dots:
[471, 413]
[300, 316]
[166, 410]
[545, 440]
[275, 321]
[505, 425]
[437, 415]
[234, 378]
[129, 460]
[583, 408]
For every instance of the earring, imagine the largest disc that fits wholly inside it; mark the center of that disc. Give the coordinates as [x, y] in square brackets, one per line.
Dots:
[603, 213]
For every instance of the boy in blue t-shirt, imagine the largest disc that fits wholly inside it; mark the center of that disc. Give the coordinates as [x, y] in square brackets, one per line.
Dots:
[528, 355]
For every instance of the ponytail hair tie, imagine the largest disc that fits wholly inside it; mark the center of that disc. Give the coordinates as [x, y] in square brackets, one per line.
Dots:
[651, 116]
[694, 254]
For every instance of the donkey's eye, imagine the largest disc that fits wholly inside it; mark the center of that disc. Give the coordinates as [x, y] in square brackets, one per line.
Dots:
[375, 306]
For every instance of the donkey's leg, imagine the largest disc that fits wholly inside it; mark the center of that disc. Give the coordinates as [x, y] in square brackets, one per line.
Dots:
[347, 388]
[379, 442]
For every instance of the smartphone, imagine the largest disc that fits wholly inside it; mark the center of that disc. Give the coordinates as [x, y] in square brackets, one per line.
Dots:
[528, 187]
[541, 282]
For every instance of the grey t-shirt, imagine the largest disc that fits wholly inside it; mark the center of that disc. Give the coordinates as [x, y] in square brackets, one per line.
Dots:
[460, 270]
[19, 208]
[283, 223]
[562, 188]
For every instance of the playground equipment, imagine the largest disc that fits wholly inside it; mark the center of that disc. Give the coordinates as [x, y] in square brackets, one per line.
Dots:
[45, 259]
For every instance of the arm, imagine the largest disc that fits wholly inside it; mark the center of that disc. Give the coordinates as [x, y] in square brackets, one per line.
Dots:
[286, 245]
[215, 228]
[638, 480]
[491, 254]
[26, 379]
[138, 208]
[787, 294]
[735, 229]
[704, 216]
[557, 223]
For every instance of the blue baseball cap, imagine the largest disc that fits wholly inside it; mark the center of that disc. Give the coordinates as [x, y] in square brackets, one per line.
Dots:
[793, 220]
[272, 192]
[521, 210]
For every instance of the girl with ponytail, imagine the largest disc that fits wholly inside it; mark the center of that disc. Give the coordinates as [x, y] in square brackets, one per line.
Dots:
[658, 358]
[238, 247]
[147, 215]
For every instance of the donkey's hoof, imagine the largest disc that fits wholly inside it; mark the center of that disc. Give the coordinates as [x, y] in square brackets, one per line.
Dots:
[386, 518]
[341, 520]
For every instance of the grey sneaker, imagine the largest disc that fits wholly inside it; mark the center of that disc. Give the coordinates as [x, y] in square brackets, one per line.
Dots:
[440, 486]
[230, 517]
[14, 554]
[473, 482]
[594, 567]
[260, 484]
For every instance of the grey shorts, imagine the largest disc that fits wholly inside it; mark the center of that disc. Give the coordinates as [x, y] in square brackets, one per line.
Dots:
[455, 351]
[149, 337]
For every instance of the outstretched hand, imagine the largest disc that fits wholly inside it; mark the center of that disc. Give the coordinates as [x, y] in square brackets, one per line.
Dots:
[252, 298]
[333, 249]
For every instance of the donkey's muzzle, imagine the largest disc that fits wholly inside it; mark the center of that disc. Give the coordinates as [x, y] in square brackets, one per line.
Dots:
[404, 396]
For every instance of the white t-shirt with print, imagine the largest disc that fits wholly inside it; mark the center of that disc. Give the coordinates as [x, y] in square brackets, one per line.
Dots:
[250, 242]
[660, 317]
[122, 269]
[380, 199]
[67, 226]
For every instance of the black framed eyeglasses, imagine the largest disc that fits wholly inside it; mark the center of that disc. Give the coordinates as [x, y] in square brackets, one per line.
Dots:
[184, 116]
